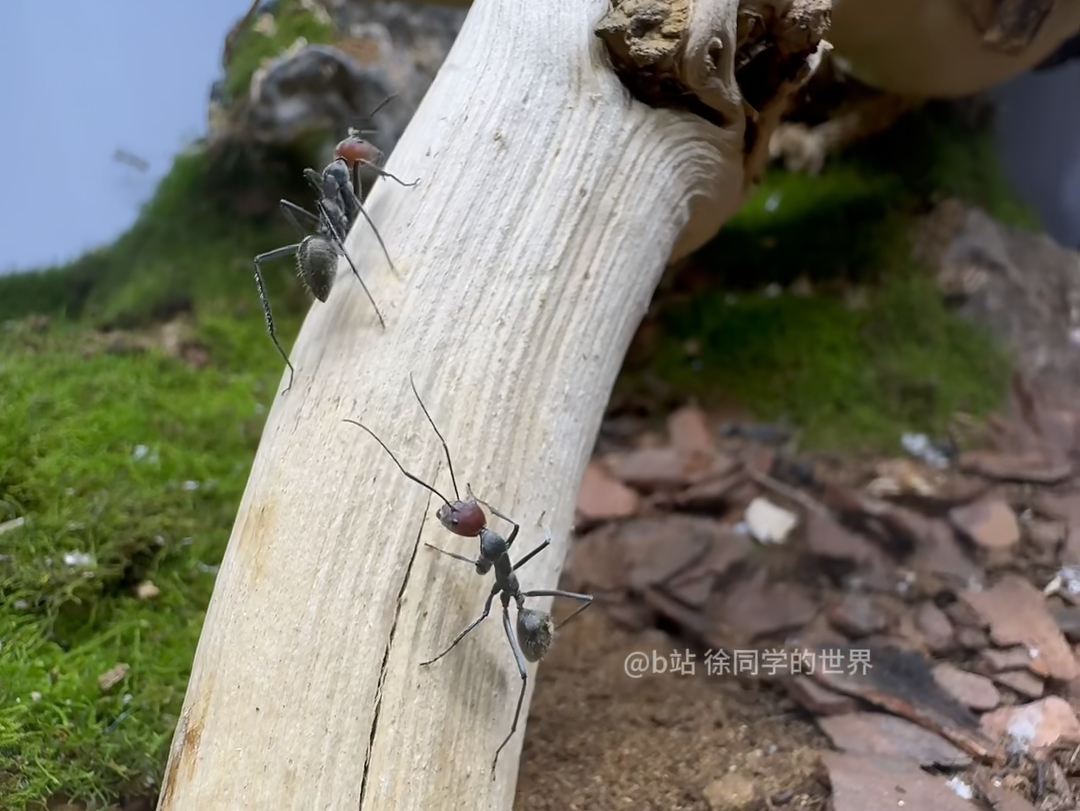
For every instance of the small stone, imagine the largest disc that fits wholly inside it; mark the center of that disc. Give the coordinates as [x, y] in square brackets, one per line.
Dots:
[732, 792]
[990, 523]
[769, 523]
[857, 616]
[935, 627]
[146, 590]
[1029, 728]
[111, 678]
[970, 689]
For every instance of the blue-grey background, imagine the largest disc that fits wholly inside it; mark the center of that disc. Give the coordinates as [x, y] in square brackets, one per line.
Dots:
[84, 80]
[81, 80]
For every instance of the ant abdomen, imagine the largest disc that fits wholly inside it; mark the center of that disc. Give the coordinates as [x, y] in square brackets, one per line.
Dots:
[535, 632]
[464, 518]
[316, 262]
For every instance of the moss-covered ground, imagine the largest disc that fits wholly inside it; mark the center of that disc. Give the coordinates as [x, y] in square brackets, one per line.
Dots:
[127, 467]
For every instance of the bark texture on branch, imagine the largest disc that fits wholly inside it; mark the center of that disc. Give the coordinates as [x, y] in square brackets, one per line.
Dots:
[550, 202]
[947, 48]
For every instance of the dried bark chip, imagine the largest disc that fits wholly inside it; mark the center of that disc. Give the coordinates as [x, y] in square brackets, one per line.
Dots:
[1070, 554]
[970, 689]
[1017, 614]
[689, 431]
[972, 639]
[1061, 506]
[648, 469]
[857, 615]
[1046, 535]
[990, 523]
[935, 627]
[604, 498]
[691, 591]
[1002, 799]
[598, 561]
[818, 699]
[712, 494]
[1026, 683]
[902, 683]
[1032, 468]
[1016, 658]
[828, 538]
[1068, 621]
[937, 551]
[756, 608]
[692, 622]
[1036, 726]
[878, 733]
[867, 783]
[678, 542]
[694, 585]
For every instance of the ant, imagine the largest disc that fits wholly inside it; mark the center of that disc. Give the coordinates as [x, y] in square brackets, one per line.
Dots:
[338, 204]
[535, 629]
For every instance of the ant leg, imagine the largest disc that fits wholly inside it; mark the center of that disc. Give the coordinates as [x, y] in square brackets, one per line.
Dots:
[289, 250]
[532, 554]
[378, 236]
[380, 171]
[584, 599]
[451, 554]
[483, 616]
[341, 247]
[524, 673]
[290, 210]
[516, 527]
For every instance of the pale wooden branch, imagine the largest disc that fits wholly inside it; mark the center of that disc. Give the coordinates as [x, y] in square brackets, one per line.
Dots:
[549, 204]
[947, 48]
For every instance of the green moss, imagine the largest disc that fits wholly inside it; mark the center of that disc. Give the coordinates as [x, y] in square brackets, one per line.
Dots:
[849, 378]
[138, 461]
[291, 21]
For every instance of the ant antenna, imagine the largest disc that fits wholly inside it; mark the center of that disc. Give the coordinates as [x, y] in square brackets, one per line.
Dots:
[408, 475]
[382, 104]
[449, 464]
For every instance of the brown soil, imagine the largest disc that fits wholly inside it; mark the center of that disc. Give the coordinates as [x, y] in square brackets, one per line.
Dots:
[598, 739]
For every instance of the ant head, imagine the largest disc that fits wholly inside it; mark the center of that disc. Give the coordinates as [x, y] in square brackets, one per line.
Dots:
[464, 518]
[354, 150]
[316, 263]
[535, 633]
